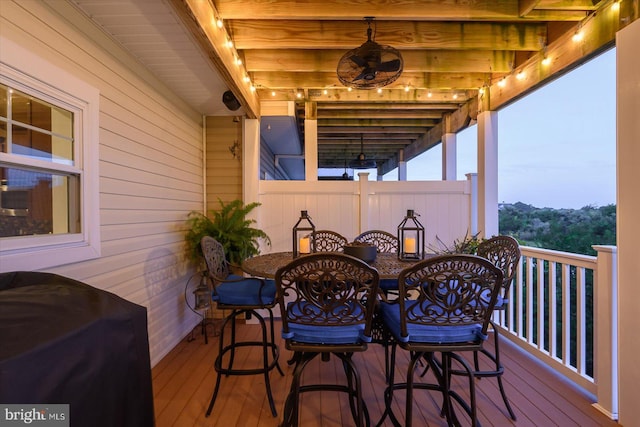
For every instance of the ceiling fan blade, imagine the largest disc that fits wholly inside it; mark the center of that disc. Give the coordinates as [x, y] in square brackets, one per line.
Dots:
[389, 66]
[360, 62]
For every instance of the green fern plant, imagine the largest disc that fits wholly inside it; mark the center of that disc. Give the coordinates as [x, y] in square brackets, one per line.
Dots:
[229, 226]
[465, 245]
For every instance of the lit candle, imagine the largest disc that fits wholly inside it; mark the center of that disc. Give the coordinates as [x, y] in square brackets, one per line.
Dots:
[305, 245]
[410, 245]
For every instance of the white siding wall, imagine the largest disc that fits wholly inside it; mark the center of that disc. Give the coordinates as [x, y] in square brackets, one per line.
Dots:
[150, 146]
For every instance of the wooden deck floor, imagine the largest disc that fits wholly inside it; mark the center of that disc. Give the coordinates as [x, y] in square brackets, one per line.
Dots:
[183, 382]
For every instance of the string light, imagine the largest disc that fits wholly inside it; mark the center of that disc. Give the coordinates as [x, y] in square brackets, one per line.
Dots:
[252, 88]
[578, 36]
[520, 75]
[615, 6]
[349, 89]
[238, 61]
[229, 43]
[326, 92]
[406, 88]
[455, 96]
[546, 61]
[379, 90]
[429, 94]
[299, 94]
[273, 93]
[502, 82]
[219, 22]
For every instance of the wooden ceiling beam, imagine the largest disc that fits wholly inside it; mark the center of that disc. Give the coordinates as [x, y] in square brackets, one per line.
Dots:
[388, 95]
[287, 80]
[481, 10]
[380, 114]
[395, 122]
[318, 60]
[386, 106]
[287, 34]
[198, 17]
[388, 130]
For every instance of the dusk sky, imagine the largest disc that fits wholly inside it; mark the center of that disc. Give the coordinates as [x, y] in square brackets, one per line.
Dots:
[556, 146]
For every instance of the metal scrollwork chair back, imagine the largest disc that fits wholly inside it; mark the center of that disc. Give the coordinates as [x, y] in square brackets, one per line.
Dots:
[329, 241]
[382, 240]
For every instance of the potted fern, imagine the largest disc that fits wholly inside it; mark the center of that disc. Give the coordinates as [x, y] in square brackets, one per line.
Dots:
[229, 226]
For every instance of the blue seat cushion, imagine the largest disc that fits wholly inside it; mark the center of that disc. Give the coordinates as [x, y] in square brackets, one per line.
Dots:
[331, 331]
[245, 291]
[426, 333]
[388, 284]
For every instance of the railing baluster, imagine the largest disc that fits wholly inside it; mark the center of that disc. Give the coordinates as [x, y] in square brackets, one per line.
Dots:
[529, 285]
[581, 330]
[566, 315]
[541, 304]
[553, 312]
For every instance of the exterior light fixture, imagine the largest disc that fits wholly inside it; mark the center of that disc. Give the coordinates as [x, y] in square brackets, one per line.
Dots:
[410, 238]
[304, 236]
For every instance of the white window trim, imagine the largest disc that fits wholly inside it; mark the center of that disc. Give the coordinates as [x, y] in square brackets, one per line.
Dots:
[23, 69]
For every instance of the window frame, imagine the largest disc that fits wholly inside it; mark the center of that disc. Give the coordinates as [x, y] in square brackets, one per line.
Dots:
[23, 70]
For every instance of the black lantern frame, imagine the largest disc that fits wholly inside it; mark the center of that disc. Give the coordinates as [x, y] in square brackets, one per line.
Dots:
[410, 237]
[202, 294]
[304, 235]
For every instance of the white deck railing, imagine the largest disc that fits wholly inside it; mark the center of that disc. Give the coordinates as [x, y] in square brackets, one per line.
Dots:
[561, 310]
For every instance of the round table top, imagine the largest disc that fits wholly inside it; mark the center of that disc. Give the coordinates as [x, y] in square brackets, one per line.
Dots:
[387, 264]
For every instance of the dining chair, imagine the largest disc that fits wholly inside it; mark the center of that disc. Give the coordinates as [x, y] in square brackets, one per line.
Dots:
[382, 240]
[503, 252]
[445, 305]
[329, 241]
[243, 296]
[327, 302]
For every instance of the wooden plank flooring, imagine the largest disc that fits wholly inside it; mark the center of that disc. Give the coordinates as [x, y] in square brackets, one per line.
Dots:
[184, 380]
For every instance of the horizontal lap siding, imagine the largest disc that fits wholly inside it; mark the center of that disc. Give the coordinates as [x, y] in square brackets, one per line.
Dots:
[224, 172]
[150, 146]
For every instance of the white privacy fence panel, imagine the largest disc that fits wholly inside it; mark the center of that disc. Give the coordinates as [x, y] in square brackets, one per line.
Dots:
[332, 205]
[350, 207]
[444, 207]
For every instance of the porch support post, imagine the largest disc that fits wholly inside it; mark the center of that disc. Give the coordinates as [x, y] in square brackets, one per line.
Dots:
[449, 163]
[311, 142]
[488, 173]
[628, 227]
[250, 160]
[473, 211]
[605, 288]
[363, 189]
[402, 166]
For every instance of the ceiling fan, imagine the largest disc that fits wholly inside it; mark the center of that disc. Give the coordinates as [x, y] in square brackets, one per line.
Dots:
[361, 162]
[371, 65]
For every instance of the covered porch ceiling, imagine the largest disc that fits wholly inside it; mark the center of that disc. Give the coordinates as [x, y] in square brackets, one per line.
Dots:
[456, 57]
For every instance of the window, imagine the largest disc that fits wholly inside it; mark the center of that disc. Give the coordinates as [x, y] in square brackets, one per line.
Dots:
[48, 165]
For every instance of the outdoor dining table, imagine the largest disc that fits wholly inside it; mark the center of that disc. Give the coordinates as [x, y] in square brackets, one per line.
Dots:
[387, 264]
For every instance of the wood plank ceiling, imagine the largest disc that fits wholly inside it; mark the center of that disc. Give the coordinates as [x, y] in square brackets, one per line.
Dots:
[456, 56]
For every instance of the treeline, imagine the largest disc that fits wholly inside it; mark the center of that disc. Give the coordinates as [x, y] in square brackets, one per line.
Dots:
[568, 230]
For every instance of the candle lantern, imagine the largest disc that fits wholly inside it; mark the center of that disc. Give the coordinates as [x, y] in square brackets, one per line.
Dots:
[304, 235]
[202, 294]
[410, 237]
